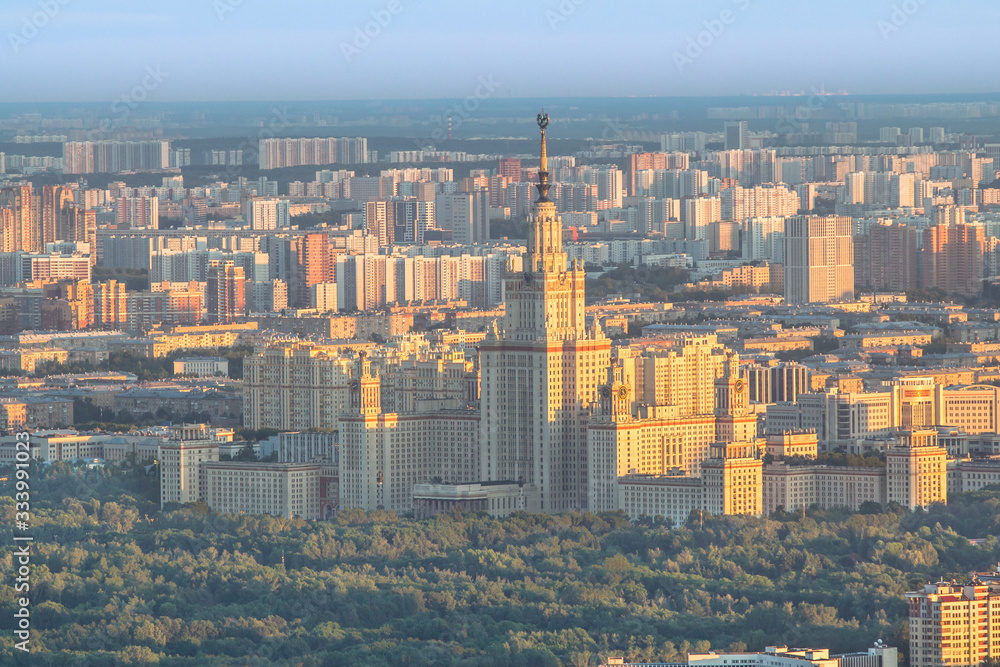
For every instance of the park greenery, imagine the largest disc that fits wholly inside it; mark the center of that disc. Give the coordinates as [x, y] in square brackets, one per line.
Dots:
[115, 581]
[653, 283]
[145, 368]
[134, 279]
[310, 220]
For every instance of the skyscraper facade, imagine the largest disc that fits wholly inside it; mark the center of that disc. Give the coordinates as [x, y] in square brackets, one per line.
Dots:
[540, 377]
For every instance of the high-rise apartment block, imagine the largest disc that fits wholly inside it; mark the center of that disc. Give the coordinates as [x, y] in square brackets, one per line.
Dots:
[293, 152]
[736, 135]
[400, 220]
[267, 213]
[764, 239]
[885, 258]
[225, 291]
[295, 386]
[954, 624]
[110, 305]
[465, 215]
[697, 214]
[644, 161]
[137, 212]
[112, 157]
[953, 259]
[739, 203]
[683, 374]
[819, 259]
[509, 168]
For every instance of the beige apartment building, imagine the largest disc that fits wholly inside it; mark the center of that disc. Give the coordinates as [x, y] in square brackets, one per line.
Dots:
[792, 488]
[384, 454]
[684, 374]
[732, 480]
[672, 496]
[252, 487]
[916, 470]
[295, 386]
[181, 478]
[953, 624]
[819, 259]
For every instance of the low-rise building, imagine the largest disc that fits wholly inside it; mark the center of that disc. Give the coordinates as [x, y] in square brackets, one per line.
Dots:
[254, 487]
[201, 366]
[35, 412]
[792, 488]
[780, 656]
[26, 360]
[793, 443]
[215, 403]
[886, 339]
[672, 496]
[972, 475]
[498, 499]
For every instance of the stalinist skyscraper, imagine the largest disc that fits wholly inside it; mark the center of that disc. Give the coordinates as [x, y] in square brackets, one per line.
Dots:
[540, 375]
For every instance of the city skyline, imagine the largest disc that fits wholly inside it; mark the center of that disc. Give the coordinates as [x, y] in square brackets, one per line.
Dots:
[319, 345]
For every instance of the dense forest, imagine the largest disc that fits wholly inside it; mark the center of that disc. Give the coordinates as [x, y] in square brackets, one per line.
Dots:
[115, 581]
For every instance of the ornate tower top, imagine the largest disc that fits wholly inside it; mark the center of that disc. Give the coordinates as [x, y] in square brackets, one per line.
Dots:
[543, 169]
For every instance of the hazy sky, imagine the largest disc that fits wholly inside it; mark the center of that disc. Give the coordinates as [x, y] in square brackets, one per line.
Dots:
[94, 50]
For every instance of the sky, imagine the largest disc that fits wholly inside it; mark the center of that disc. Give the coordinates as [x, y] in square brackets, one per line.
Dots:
[232, 50]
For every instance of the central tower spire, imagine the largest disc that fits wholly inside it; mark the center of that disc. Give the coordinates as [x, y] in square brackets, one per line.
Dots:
[545, 253]
[543, 170]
